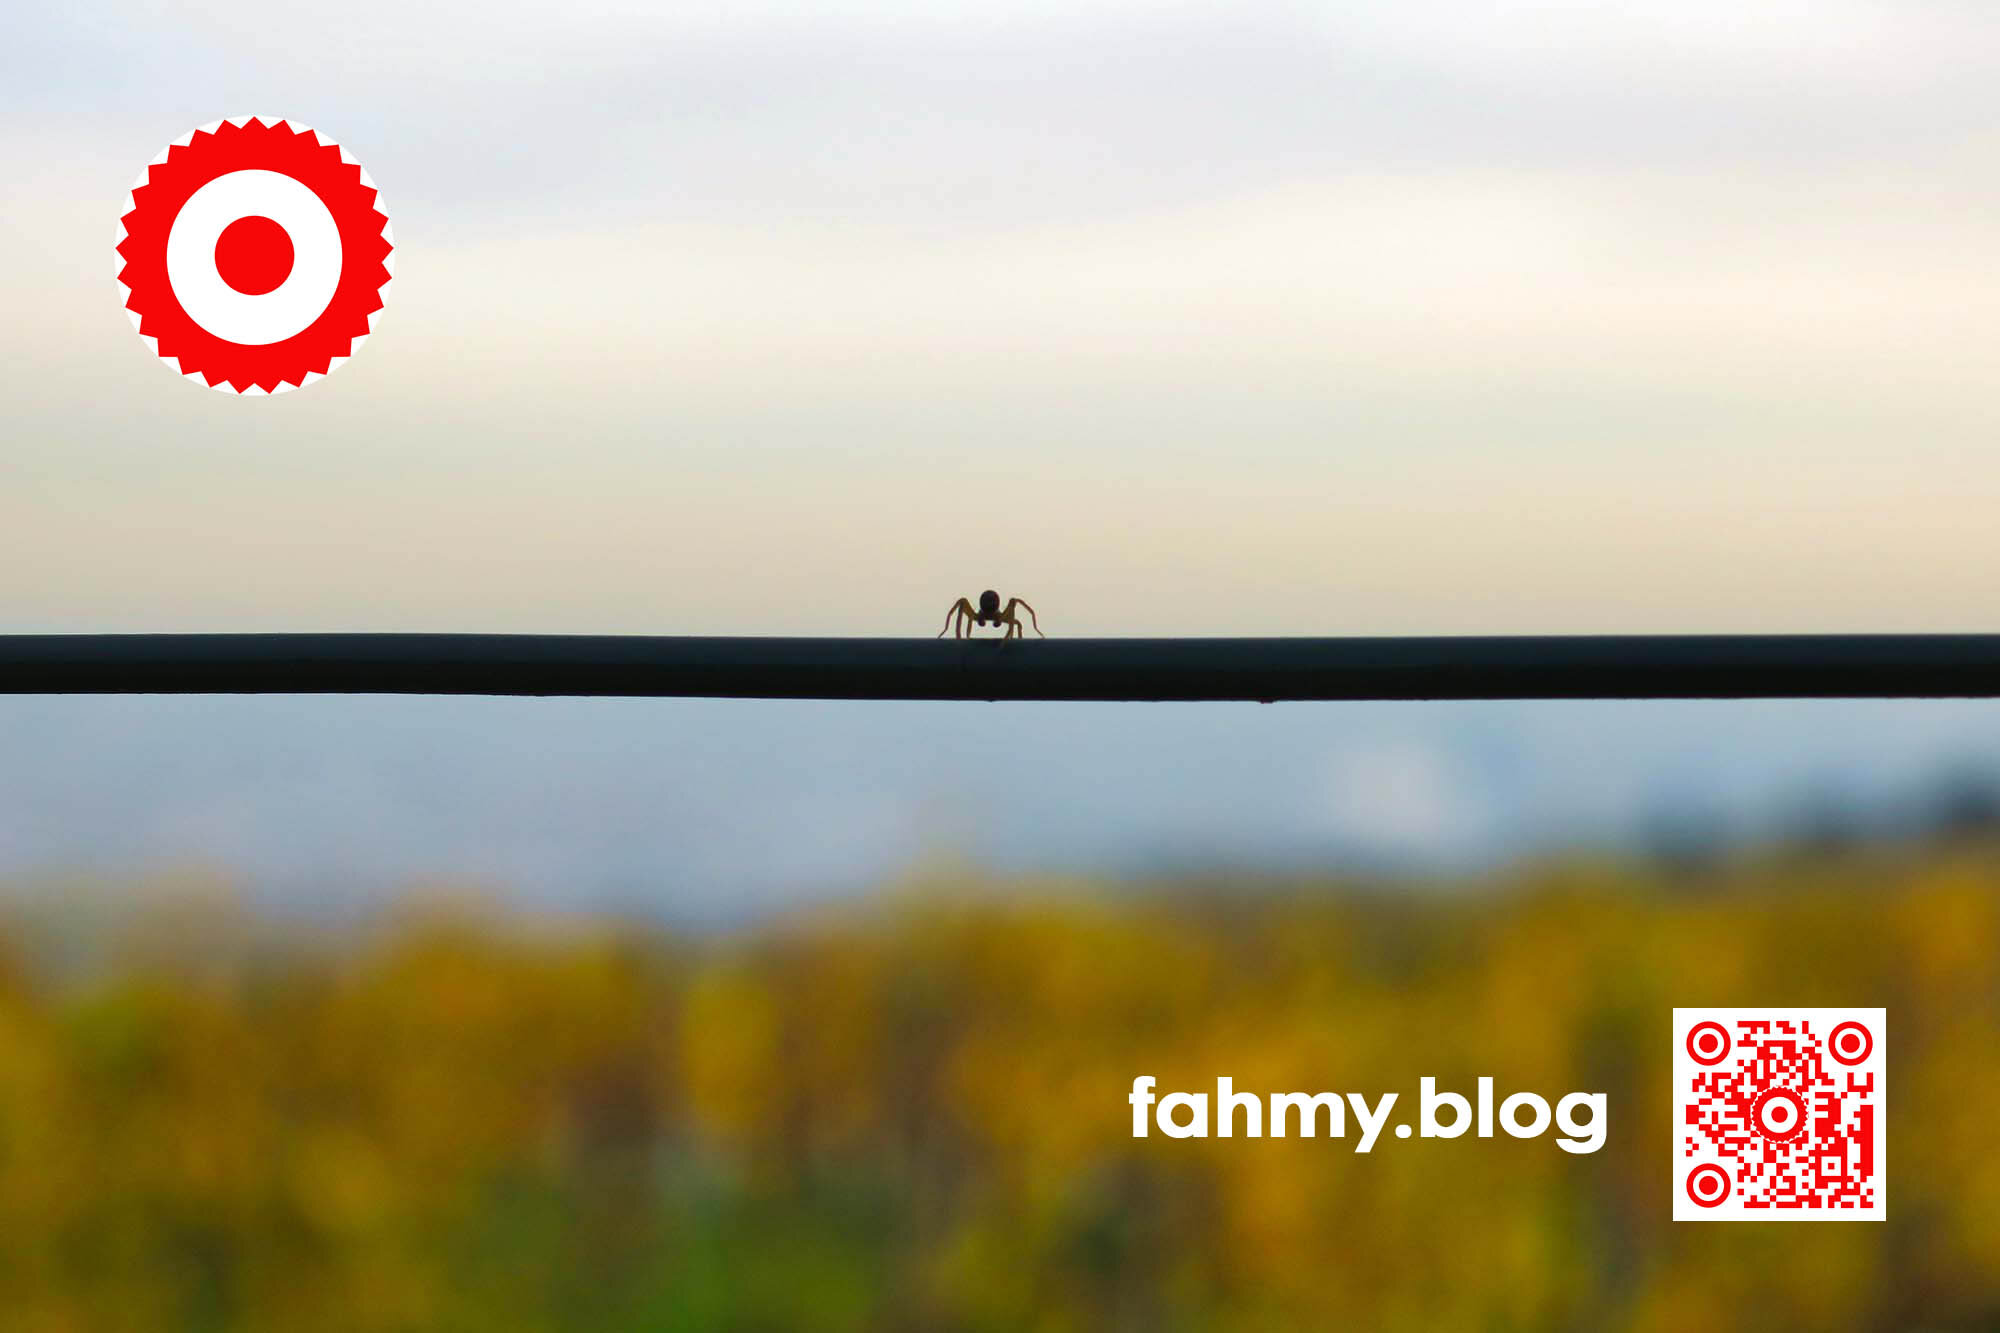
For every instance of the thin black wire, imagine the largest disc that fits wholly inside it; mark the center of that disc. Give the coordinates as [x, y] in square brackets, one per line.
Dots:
[1269, 670]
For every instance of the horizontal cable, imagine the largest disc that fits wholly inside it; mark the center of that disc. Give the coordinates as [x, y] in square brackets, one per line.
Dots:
[1565, 667]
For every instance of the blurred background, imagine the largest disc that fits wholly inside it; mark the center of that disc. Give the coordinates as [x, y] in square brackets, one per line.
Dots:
[906, 1109]
[1259, 318]
[548, 1015]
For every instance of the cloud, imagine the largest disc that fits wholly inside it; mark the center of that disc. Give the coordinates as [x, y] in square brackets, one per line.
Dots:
[1402, 797]
[996, 115]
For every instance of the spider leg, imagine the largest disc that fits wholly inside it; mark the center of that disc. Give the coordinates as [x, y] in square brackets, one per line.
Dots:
[1013, 602]
[953, 618]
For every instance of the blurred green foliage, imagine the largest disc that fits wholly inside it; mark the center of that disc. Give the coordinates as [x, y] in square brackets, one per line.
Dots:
[911, 1115]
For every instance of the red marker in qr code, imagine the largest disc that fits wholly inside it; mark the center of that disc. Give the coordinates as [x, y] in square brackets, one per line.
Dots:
[254, 255]
[1779, 1114]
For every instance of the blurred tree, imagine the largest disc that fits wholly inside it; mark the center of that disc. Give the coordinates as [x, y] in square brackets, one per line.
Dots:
[912, 1115]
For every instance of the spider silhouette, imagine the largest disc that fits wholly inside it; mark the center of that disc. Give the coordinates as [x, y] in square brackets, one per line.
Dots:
[963, 616]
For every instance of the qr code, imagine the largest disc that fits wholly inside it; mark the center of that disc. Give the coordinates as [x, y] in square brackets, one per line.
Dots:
[1778, 1114]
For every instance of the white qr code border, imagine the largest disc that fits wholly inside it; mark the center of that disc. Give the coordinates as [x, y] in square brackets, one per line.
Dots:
[1696, 1161]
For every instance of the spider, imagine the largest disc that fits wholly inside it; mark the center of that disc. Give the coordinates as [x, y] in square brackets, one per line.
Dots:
[963, 616]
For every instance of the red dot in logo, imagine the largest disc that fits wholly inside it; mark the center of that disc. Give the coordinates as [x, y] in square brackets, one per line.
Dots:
[1779, 1115]
[1707, 1043]
[254, 255]
[1851, 1043]
[1708, 1185]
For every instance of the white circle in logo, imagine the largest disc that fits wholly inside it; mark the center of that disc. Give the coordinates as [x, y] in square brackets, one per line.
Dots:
[235, 316]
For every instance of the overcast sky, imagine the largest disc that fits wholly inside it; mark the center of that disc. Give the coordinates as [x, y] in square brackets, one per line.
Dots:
[1173, 318]
[1184, 319]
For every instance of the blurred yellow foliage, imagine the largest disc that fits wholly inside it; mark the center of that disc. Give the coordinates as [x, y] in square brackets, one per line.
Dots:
[912, 1115]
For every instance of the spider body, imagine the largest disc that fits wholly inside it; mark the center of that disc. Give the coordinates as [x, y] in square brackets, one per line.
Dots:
[963, 616]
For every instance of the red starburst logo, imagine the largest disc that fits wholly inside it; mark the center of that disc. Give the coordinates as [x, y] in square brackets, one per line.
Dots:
[254, 255]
